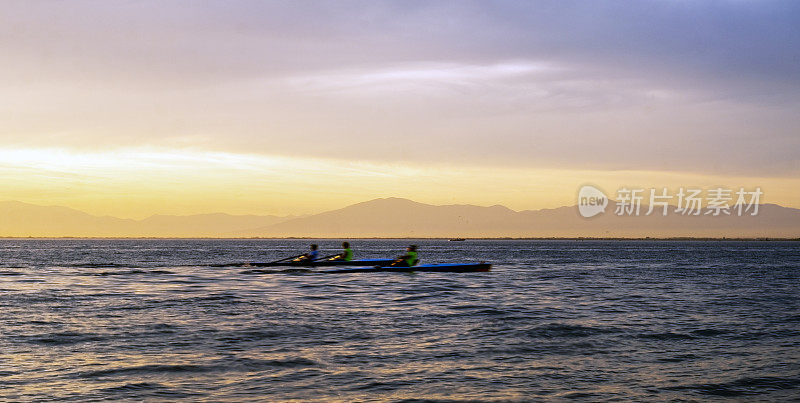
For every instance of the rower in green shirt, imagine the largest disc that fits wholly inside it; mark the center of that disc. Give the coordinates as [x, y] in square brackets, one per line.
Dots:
[347, 253]
[409, 259]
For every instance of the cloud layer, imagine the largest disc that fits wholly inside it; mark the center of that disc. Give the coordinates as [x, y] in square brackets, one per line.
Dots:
[711, 87]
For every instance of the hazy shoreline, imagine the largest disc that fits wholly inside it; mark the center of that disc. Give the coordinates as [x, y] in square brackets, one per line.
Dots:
[428, 238]
[396, 218]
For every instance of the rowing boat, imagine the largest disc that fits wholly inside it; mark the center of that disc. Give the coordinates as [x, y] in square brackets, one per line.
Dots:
[294, 263]
[440, 268]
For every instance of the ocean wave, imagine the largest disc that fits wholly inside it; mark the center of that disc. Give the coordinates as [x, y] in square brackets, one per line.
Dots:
[219, 297]
[708, 332]
[665, 336]
[147, 369]
[581, 395]
[62, 338]
[250, 335]
[140, 390]
[259, 271]
[90, 265]
[131, 272]
[558, 330]
[679, 358]
[411, 298]
[253, 364]
[742, 386]
[237, 364]
[276, 271]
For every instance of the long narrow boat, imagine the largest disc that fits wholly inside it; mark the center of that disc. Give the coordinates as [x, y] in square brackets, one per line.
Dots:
[292, 263]
[440, 268]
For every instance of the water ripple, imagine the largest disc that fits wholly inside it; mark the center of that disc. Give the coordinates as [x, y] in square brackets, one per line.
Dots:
[131, 320]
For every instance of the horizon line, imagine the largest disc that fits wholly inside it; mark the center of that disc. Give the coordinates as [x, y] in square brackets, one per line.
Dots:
[648, 238]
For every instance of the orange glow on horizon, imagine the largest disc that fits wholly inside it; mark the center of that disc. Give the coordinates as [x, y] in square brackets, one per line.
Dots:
[139, 182]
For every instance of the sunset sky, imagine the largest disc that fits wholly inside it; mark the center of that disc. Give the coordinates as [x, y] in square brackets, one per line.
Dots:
[132, 108]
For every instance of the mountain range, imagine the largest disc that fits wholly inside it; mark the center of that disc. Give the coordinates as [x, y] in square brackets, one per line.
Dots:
[395, 217]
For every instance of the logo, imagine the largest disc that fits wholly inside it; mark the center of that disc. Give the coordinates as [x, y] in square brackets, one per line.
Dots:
[687, 201]
[591, 201]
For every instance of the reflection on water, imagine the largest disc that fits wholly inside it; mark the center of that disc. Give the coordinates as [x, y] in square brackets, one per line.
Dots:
[145, 319]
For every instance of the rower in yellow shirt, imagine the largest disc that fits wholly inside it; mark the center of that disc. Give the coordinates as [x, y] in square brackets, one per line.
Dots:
[409, 259]
[347, 253]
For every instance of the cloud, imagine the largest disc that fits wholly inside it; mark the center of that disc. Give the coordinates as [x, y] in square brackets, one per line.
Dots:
[667, 85]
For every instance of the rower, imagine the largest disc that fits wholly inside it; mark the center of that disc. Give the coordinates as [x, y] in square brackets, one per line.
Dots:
[347, 253]
[310, 256]
[407, 260]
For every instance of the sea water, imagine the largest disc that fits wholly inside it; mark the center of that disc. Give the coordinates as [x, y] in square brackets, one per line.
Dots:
[599, 320]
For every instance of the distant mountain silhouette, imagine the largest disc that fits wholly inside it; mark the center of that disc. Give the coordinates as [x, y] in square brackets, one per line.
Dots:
[394, 217]
[23, 219]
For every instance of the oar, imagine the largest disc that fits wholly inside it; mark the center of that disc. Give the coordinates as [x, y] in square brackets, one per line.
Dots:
[327, 257]
[248, 263]
[288, 258]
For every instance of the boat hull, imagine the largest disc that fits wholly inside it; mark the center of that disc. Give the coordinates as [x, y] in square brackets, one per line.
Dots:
[435, 268]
